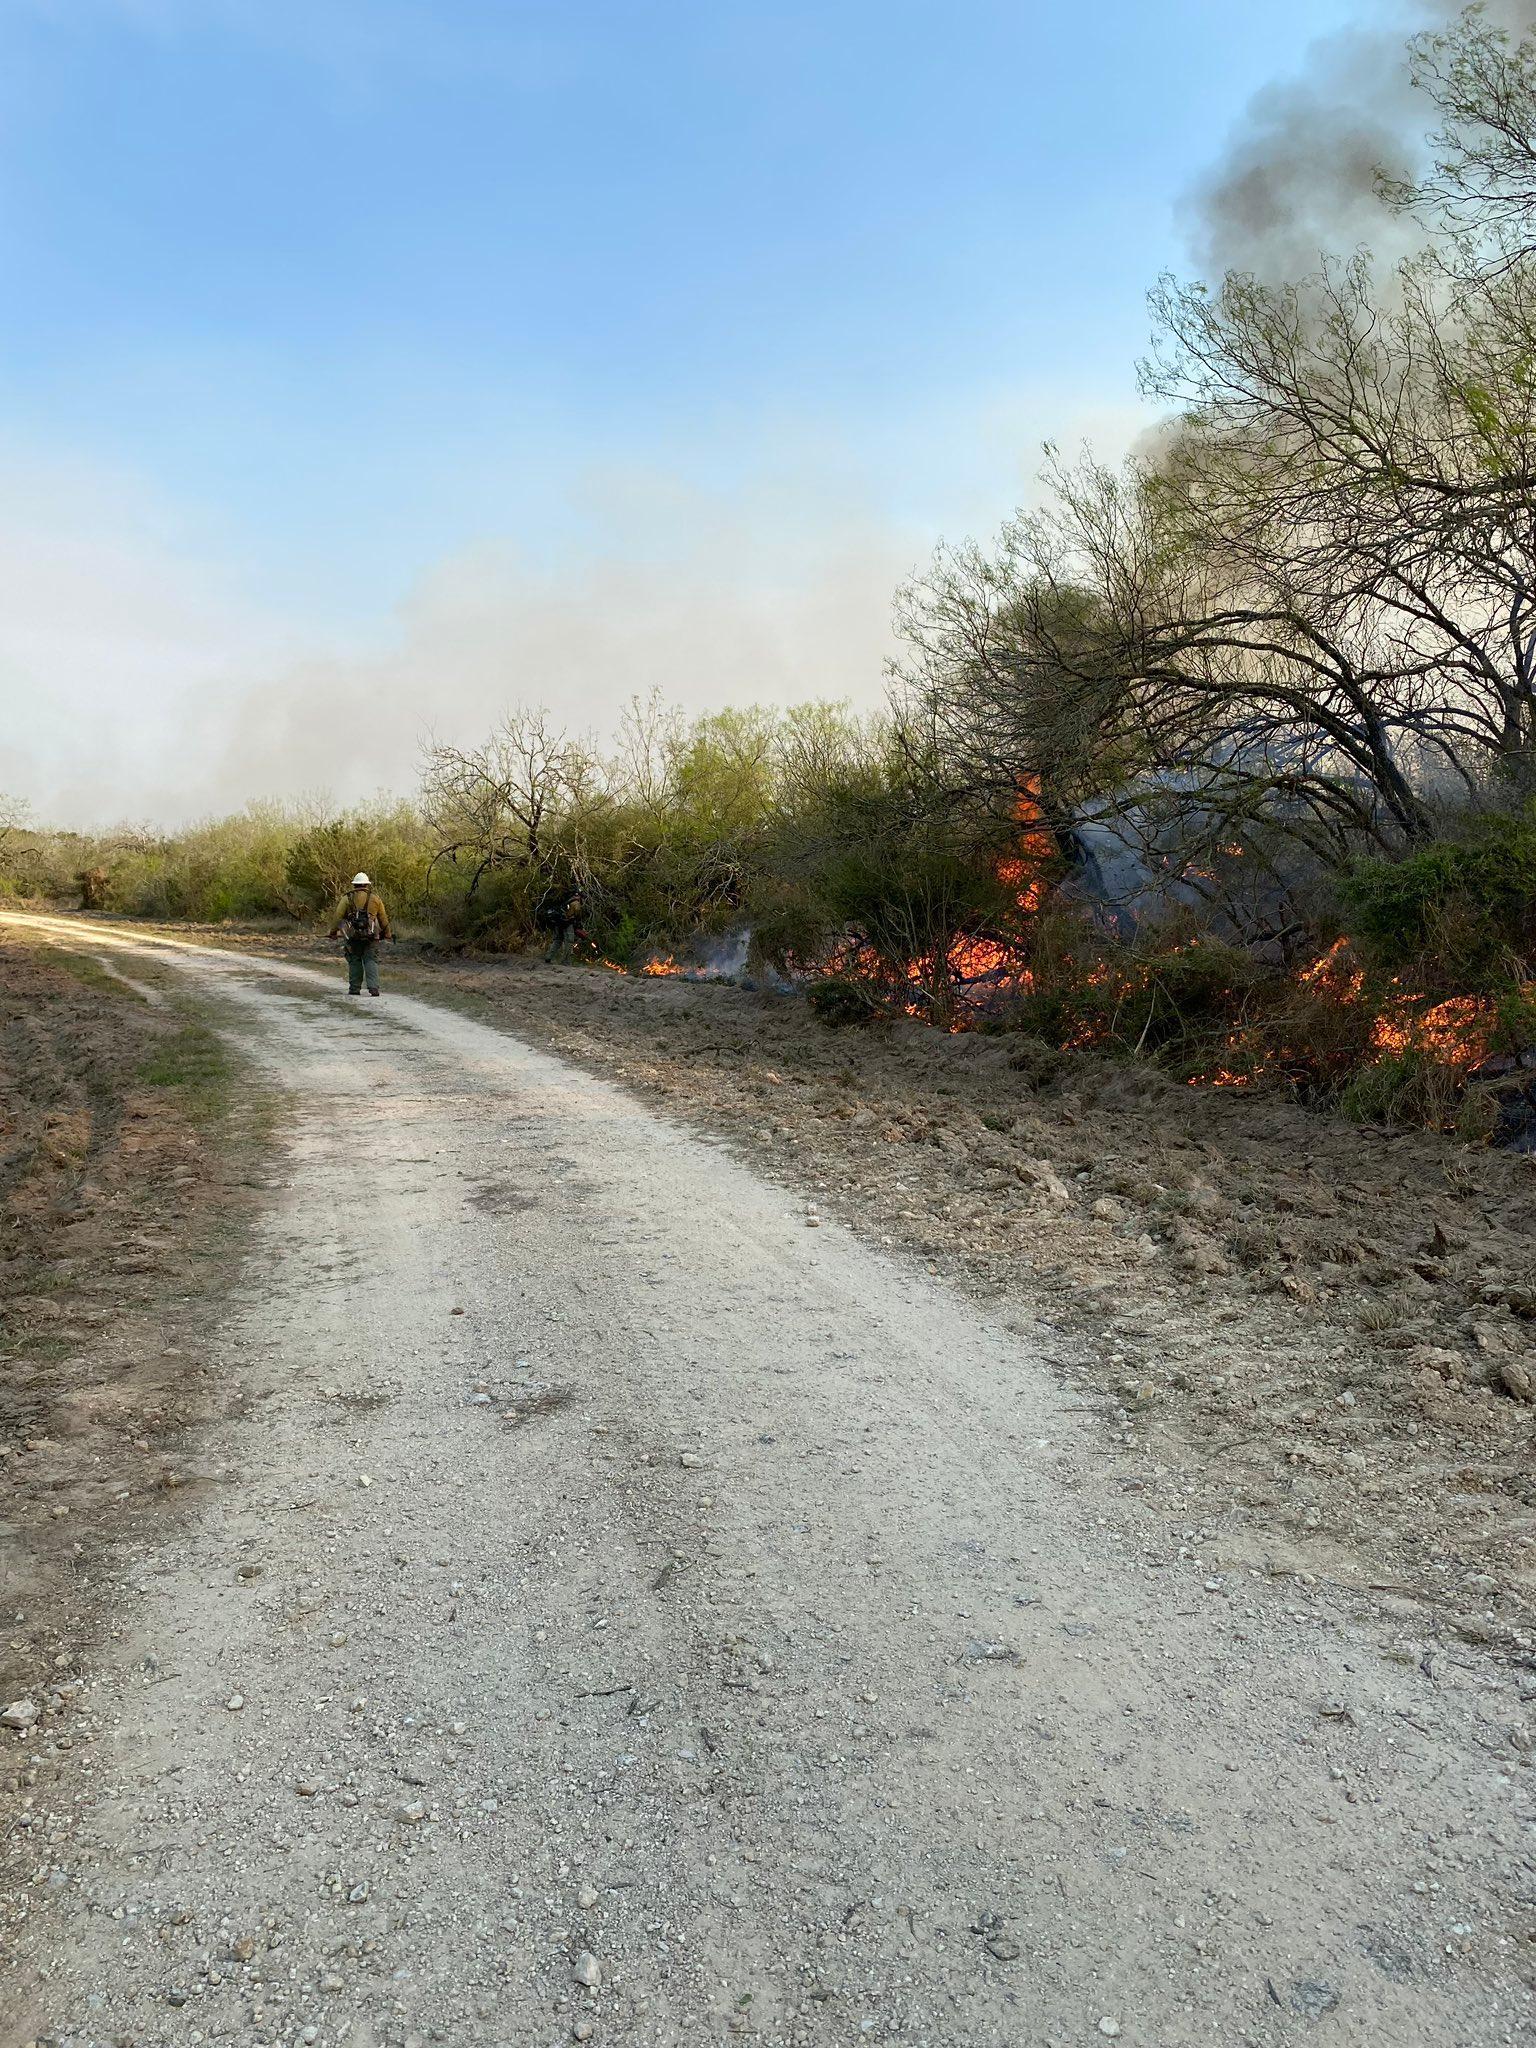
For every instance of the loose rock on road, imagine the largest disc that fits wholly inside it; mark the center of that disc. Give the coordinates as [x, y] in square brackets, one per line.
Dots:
[631, 1616]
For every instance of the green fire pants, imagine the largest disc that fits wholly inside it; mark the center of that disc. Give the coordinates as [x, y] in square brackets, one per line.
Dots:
[361, 961]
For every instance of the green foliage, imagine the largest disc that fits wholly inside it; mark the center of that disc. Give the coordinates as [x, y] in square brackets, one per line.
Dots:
[497, 917]
[387, 841]
[1514, 1018]
[910, 893]
[1177, 999]
[840, 1002]
[1406, 1089]
[1458, 915]
[665, 838]
[881, 869]
[197, 1063]
[223, 870]
[18, 847]
[268, 862]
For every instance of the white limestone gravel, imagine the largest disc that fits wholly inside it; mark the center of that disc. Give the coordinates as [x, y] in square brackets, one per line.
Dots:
[770, 1661]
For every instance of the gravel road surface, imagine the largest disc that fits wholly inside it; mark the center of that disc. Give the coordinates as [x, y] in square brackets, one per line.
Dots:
[630, 1609]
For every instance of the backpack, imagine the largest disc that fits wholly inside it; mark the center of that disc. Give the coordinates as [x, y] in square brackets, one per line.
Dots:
[549, 910]
[359, 925]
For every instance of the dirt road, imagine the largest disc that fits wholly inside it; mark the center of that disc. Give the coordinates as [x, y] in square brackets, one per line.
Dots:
[630, 1613]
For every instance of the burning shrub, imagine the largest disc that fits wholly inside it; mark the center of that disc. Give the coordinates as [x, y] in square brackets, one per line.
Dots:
[1191, 997]
[1311, 1029]
[908, 908]
[889, 881]
[1182, 1000]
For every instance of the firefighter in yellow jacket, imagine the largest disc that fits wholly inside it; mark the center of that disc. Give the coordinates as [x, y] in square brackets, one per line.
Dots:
[361, 922]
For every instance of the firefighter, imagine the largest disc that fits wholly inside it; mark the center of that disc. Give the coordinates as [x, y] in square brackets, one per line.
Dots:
[361, 922]
[560, 913]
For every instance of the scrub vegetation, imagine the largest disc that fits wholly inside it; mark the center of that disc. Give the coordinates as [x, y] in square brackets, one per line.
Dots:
[1224, 758]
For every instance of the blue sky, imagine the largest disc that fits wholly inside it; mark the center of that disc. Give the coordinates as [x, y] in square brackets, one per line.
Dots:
[429, 357]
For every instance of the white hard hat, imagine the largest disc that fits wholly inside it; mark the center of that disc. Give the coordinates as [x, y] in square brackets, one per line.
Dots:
[361, 882]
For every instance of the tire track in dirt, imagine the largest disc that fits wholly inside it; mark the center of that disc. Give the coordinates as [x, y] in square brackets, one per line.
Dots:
[632, 1615]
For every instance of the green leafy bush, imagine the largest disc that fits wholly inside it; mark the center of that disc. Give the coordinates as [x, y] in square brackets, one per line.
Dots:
[1177, 999]
[1457, 916]
[267, 862]
[498, 916]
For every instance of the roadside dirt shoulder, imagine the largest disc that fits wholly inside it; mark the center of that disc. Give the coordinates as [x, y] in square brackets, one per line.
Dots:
[129, 1170]
[1313, 1344]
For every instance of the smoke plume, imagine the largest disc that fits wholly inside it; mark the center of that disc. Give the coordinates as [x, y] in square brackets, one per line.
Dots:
[1300, 173]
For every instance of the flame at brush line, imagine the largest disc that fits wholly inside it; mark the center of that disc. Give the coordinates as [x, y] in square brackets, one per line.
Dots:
[1335, 973]
[981, 966]
[1457, 1032]
[984, 968]
[978, 968]
[971, 959]
[667, 968]
[1023, 870]
[718, 956]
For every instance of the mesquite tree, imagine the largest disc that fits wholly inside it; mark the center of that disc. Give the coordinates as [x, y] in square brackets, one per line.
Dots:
[1312, 613]
[489, 806]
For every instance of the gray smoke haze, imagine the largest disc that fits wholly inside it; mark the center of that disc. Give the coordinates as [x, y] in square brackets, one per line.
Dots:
[1299, 174]
[718, 621]
[145, 676]
[138, 681]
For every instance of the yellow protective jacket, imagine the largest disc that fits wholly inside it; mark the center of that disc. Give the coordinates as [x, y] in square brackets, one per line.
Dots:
[375, 906]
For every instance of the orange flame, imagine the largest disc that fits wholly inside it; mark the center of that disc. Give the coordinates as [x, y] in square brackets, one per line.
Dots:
[1456, 1032]
[1021, 870]
[1335, 973]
